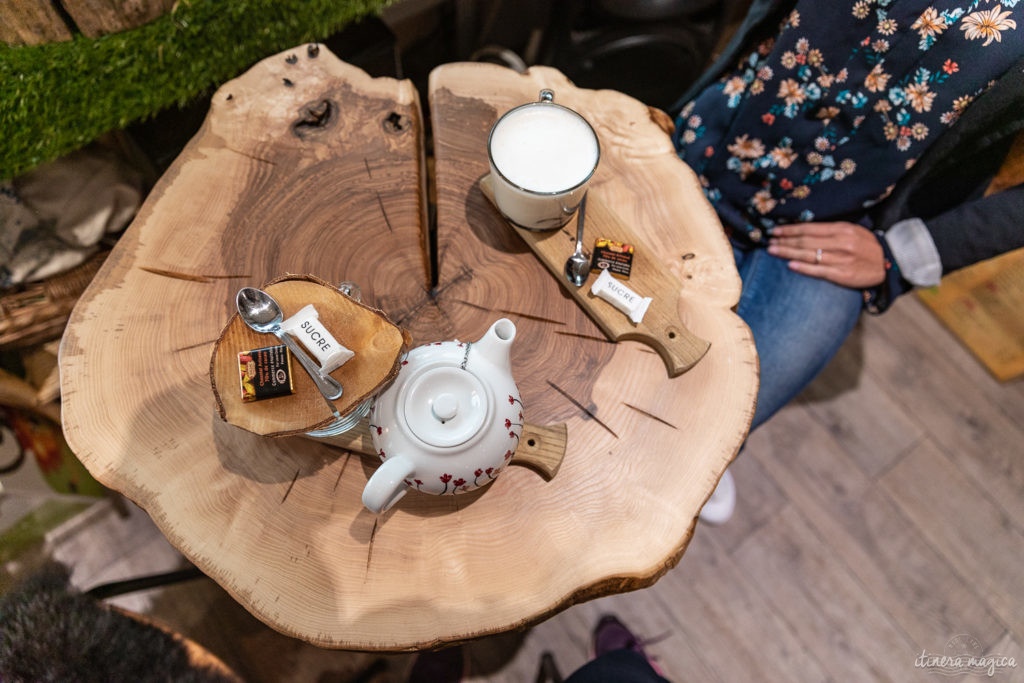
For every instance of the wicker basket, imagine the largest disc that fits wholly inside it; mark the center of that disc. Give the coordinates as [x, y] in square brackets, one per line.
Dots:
[35, 313]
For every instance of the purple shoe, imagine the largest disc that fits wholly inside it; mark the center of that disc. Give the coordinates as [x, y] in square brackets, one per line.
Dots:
[611, 634]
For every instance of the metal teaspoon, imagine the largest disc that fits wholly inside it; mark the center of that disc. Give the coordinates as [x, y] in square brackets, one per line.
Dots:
[261, 312]
[578, 265]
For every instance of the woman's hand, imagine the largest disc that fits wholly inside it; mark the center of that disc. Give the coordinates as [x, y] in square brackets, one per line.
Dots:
[844, 253]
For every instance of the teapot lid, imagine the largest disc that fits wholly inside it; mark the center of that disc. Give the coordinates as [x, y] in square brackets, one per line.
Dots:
[443, 406]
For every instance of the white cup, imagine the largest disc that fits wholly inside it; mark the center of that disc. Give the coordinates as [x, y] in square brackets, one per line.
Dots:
[542, 156]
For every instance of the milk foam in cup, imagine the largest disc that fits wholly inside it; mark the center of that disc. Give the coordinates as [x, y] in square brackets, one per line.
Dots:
[542, 155]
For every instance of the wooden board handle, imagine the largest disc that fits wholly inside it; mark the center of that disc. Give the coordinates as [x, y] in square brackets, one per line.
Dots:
[666, 334]
[661, 328]
[540, 448]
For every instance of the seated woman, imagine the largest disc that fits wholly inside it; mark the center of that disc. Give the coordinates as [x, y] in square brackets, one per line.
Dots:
[846, 147]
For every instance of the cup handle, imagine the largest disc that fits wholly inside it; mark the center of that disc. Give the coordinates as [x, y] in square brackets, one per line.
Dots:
[387, 485]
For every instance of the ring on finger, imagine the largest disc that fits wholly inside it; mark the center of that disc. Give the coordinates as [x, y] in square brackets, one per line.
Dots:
[817, 256]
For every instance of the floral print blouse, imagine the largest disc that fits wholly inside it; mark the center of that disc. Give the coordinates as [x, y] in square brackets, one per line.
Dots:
[822, 118]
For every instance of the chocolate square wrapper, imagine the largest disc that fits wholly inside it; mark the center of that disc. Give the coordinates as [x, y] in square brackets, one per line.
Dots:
[265, 373]
[615, 257]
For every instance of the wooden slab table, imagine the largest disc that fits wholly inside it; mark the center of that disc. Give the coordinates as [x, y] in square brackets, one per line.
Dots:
[307, 165]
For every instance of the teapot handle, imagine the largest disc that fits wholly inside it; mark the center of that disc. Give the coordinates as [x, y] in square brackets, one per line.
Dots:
[387, 485]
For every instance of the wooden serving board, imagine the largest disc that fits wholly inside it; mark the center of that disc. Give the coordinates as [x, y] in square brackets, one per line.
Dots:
[540, 448]
[378, 343]
[661, 328]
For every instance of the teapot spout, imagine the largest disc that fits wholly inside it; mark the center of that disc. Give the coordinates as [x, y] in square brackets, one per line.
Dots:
[496, 344]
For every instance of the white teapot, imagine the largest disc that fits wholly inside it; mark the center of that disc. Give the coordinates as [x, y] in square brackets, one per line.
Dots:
[449, 423]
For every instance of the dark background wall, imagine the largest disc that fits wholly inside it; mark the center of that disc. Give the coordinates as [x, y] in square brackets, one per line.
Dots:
[650, 49]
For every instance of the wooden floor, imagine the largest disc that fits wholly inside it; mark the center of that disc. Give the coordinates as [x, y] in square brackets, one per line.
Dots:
[880, 516]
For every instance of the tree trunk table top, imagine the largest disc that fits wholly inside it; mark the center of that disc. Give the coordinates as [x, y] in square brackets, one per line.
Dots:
[307, 165]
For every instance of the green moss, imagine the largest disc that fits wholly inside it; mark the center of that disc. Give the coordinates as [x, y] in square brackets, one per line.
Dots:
[57, 97]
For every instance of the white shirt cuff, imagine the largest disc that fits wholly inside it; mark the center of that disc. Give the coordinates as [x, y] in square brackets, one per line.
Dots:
[915, 253]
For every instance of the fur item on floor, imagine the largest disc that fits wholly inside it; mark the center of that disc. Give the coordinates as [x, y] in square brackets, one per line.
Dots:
[51, 632]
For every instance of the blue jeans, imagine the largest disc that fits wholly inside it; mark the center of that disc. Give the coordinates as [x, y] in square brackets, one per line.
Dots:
[617, 666]
[798, 322]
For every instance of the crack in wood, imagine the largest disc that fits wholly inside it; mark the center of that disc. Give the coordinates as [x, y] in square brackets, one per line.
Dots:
[369, 549]
[444, 252]
[250, 156]
[430, 298]
[419, 306]
[506, 311]
[465, 274]
[579, 405]
[529, 316]
[584, 336]
[294, 479]
[380, 202]
[650, 415]
[403, 316]
[509, 311]
[348, 456]
[476, 306]
[175, 275]
[366, 163]
[191, 277]
[194, 346]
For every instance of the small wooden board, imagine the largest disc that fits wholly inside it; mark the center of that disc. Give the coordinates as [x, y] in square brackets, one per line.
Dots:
[377, 341]
[661, 328]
